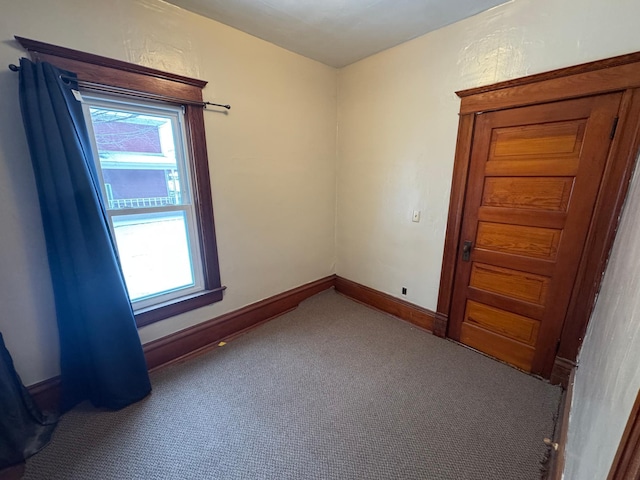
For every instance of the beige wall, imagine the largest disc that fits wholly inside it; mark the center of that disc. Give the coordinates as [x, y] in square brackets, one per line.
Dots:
[397, 117]
[272, 158]
[608, 377]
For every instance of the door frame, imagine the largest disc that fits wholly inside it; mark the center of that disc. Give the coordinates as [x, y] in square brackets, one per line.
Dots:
[626, 463]
[617, 74]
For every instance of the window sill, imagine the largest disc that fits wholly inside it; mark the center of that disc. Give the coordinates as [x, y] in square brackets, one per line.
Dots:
[146, 316]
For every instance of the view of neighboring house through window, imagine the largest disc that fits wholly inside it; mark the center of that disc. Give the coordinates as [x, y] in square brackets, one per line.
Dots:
[142, 162]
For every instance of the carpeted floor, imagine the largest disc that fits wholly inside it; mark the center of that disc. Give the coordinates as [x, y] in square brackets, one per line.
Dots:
[332, 390]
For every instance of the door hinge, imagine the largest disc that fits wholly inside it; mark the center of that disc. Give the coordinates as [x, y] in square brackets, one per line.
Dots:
[614, 127]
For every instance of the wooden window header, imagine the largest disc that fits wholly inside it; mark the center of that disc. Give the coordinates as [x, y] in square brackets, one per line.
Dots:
[107, 71]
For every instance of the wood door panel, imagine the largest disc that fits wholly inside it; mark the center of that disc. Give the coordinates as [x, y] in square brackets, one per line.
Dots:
[533, 168]
[537, 141]
[512, 283]
[537, 193]
[533, 179]
[519, 240]
[503, 348]
[526, 309]
[504, 323]
[532, 265]
[515, 216]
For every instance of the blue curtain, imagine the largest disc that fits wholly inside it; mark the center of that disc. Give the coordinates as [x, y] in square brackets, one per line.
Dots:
[101, 358]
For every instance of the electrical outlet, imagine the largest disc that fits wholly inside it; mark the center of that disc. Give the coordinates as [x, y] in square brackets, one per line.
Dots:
[404, 290]
[416, 216]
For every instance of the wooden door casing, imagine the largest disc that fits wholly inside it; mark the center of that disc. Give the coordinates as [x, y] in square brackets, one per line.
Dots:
[626, 463]
[616, 74]
[533, 181]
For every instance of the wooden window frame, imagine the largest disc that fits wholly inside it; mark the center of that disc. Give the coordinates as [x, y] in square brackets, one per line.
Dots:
[132, 77]
[617, 74]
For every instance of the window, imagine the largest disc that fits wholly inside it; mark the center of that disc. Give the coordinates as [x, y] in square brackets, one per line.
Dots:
[148, 137]
[145, 178]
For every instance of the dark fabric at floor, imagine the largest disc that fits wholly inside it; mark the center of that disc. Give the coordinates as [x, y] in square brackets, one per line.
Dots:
[24, 429]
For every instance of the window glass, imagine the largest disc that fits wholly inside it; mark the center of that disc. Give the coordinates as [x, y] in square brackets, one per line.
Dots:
[154, 266]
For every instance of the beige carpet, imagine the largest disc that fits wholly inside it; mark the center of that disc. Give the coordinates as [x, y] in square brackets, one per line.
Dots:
[332, 390]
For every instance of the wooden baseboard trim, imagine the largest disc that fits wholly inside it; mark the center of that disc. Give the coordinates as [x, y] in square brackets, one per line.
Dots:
[47, 394]
[414, 314]
[201, 337]
[562, 368]
[192, 340]
[440, 323]
[560, 437]
[204, 336]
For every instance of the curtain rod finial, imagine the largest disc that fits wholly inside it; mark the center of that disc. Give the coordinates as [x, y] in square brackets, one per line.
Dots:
[14, 68]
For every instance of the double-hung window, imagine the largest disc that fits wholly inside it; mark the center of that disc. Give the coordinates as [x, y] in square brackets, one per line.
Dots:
[145, 177]
[148, 138]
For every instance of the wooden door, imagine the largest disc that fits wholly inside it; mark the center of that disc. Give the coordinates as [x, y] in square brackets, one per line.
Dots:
[533, 179]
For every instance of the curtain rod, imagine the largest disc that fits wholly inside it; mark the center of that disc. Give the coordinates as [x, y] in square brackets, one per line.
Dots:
[126, 91]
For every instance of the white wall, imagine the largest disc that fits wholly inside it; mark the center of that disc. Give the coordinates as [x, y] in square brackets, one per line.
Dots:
[608, 378]
[272, 158]
[397, 117]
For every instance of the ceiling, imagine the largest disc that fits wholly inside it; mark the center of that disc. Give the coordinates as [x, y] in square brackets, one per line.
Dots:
[337, 32]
